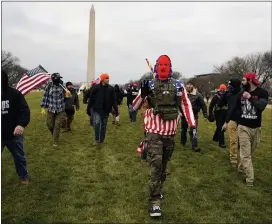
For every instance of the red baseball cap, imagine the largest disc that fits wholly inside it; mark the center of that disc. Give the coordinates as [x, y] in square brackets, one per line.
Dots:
[251, 76]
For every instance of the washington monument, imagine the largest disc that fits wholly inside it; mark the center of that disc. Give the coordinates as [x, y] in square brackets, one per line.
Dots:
[91, 47]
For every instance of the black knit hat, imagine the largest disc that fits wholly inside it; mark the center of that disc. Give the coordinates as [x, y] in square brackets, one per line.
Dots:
[235, 83]
[68, 83]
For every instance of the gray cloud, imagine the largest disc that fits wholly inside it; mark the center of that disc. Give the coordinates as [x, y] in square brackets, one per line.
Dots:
[196, 36]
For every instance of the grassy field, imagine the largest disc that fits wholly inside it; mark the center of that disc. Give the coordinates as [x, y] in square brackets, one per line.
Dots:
[79, 183]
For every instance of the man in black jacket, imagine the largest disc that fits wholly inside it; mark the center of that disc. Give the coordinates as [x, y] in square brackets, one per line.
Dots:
[198, 103]
[15, 117]
[70, 104]
[219, 113]
[102, 100]
[228, 100]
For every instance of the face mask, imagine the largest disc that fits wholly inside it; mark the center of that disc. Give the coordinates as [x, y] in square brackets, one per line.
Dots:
[56, 82]
[163, 67]
[230, 88]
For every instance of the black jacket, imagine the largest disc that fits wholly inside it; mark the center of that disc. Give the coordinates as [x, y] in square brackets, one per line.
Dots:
[71, 102]
[131, 94]
[197, 102]
[119, 95]
[228, 99]
[15, 111]
[102, 99]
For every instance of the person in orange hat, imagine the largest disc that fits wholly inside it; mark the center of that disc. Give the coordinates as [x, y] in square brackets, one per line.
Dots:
[219, 114]
[102, 100]
[249, 105]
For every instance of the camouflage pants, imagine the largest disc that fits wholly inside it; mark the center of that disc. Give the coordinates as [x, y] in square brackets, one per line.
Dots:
[159, 149]
[54, 123]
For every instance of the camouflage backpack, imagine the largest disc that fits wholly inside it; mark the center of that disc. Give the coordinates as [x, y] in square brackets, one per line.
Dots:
[164, 100]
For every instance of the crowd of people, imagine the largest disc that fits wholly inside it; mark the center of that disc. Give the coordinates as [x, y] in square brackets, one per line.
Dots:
[163, 102]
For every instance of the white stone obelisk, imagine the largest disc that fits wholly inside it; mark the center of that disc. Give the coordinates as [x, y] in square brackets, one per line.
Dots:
[91, 47]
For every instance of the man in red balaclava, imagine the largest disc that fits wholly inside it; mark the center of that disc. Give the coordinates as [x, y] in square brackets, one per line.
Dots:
[165, 96]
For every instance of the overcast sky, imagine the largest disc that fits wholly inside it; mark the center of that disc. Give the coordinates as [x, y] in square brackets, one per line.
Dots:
[195, 35]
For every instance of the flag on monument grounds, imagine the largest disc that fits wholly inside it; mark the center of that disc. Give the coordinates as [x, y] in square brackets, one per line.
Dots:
[33, 79]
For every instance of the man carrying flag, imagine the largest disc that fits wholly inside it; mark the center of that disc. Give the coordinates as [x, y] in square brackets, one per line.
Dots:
[54, 100]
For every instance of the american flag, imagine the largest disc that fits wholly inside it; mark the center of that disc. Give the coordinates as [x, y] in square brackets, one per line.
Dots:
[97, 81]
[33, 79]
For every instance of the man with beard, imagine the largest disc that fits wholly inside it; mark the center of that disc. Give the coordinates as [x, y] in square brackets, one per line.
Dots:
[219, 114]
[70, 104]
[228, 99]
[53, 99]
[165, 96]
[250, 103]
[102, 100]
[198, 103]
[15, 117]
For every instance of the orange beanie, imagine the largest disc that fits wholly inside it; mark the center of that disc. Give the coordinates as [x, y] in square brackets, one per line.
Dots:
[222, 87]
[104, 76]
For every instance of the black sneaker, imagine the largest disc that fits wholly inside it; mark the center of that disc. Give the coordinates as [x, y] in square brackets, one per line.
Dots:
[222, 146]
[155, 211]
[196, 149]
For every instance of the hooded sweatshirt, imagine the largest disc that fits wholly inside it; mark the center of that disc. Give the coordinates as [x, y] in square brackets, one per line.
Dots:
[15, 110]
[228, 98]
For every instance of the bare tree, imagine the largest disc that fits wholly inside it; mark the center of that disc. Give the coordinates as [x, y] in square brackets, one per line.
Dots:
[10, 64]
[259, 63]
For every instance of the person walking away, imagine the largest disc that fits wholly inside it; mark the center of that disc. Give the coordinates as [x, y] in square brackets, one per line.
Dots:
[197, 103]
[15, 117]
[86, 98]
[250, 103]
[227, 100]
[165, 95]
[102, 100]
[220, 115]
[70, 104]
[54, 100]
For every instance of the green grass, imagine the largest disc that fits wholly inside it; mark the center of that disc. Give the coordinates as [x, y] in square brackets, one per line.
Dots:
[82, 184]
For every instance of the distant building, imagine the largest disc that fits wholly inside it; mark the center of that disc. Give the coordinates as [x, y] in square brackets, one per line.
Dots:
[208, 74]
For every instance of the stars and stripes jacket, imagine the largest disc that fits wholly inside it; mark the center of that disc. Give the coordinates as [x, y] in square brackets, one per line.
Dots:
[154, 123]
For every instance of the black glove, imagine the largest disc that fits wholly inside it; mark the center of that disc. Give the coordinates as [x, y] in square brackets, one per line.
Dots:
[211, 118]
[88, 111]
[144, 88]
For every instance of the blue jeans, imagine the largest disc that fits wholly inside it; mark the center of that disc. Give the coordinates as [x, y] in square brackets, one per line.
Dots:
[132, 113]
[16, 147]
[100, 125]
[184, 127]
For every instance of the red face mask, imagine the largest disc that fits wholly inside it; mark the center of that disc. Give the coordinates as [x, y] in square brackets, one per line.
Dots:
[163, 67]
